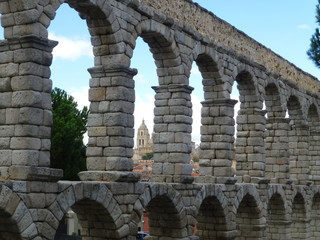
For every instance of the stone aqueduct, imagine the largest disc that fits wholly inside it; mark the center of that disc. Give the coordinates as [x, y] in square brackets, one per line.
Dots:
[274, 192]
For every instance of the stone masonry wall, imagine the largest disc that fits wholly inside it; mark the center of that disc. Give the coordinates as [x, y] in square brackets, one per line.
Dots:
[272, 193]
[213, 29]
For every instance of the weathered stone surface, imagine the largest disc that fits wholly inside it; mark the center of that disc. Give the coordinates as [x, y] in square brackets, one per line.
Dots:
[109, 199]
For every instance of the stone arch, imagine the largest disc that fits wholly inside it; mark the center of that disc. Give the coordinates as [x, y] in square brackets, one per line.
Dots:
[276, 136]
[248, 93]
[314, 133]
[298, 141]
[251, 123]
[277, 214]
[315, 216]
[299, 216]
[98, 212]
[111, 92]
[217, 130]
[250, 221]
[212, 213]
[109, 45]
[294, 108]
[213, 80]
[274, 105]
[172, 100]
[165, 211]
[162, 44]
[15, 218]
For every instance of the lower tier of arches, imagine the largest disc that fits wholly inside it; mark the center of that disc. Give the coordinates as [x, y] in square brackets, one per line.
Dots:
[117, 211]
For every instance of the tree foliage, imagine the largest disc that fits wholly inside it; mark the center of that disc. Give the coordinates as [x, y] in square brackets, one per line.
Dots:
[314, 50]
[147, 156]
[69, 125]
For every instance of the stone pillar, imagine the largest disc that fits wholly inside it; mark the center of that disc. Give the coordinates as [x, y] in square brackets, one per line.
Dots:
[229, 189]
[110, 125]
[314, 154]
[277, 150]
[25, 109]
[299, 152]
[172, 134]
[250, 150]
[217, 139]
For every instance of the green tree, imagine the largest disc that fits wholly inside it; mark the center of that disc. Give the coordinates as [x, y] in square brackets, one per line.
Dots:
[69, 125]
[314, 50]
[147, 156]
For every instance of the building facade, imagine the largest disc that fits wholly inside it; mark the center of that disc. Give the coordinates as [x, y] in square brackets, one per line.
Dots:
[144, 140]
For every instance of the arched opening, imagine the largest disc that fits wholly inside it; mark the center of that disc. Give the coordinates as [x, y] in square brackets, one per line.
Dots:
[211, 220]
[165, 221]
[15, 218]
[298, 142]
[315, 217]
[314, 141]
[217, 130]
[276, 143]
[250, 223]
[277, 222]
[197, 98]
[71, 59]
[143, 108]
[8, 228]
[173, 108]
[299, 221]
[250, 151]
[87, 219]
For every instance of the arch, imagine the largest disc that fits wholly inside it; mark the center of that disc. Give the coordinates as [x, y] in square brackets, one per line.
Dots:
[250, 222]
[250, 148]
[294, 108]
[212, 79]
[107, 37]
[277, 214]
[98, 212]
[212, 212]
[15, 218]
[276, 136]
[314, 133]
[217, 130]
[173, 94]
[248, 94]
[299, 221]
[298, 141]
[165, 211]
[273, 101]
[315, 216]
[160, 39]
[98, 15]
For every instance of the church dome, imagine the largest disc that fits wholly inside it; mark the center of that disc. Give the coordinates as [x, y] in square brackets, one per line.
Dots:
[143, 126]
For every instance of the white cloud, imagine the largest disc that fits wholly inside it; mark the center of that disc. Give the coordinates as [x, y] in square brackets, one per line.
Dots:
[139, 78]
[71, 48]
[80, 96]
[303, 26]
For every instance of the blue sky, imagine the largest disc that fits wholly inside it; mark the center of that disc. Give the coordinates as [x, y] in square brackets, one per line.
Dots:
[285, 26]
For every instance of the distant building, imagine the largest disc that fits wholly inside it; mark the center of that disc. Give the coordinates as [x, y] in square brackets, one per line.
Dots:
[144, 141]
[144, 145]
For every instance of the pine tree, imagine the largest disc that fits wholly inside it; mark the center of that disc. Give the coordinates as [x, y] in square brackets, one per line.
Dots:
[314, 50]
[69, 125]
